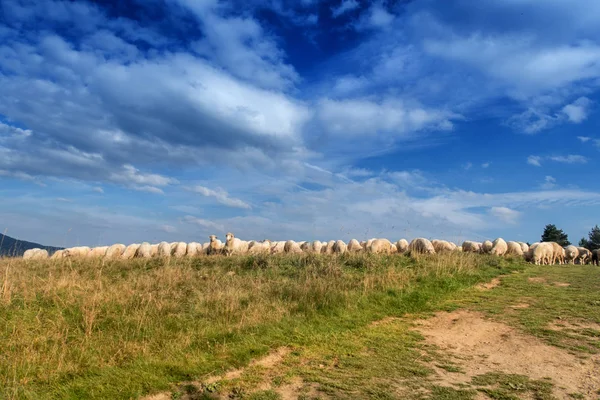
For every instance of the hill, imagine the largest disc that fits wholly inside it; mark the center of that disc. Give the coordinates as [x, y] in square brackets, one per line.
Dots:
[15, 248]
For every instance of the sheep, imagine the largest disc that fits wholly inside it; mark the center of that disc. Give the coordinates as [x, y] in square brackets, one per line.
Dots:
[584, 255]
[380, 246]
[529, 254]
[260, 247]
[194, 249]
[339, 247]
[154, 250]
[130, 251]
[144, 251]
[115, 251]
[471, 247]
[316, 247]
[277, 247]
[97, 252]
[328, 248]
[35, 254]
[402, 246]
[80, 251]
[173, 245]
[442, 246]
[291, 247]
[524, 247]
[354, 246]
[543, 254]
[164, 249]
[571, 254]
[57, 254]
[558, 253]
[421, 246]
[180, 250]
[486, 247]
[595, 257]
[513, 249]
[215, 246]
[499, 247]
[234, 245]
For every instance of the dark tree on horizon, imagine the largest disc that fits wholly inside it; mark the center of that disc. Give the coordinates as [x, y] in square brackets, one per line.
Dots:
[553, 234]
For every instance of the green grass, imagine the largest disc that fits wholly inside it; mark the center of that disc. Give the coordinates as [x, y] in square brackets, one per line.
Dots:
[93, 329]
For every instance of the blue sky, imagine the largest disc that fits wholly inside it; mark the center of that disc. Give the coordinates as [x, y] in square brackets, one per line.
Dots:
[176, 119]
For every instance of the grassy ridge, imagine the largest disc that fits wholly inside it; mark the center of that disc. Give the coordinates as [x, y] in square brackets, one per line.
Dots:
[97, 329]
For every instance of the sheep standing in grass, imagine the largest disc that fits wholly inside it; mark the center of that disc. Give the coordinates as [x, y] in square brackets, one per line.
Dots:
[277, 247]
[571, 254]
[234, 245]
[499, 247]
[164, 249]
[442, 246]
[513, 249]
[215, 246]
[35, 254]
[115, 251]
[339, 247]
[77, 252]
[291, 247]
[57, 254]
[316, 247]
[263, 247]
[130, 251]
[154, 250]
[524, 247]
[421, 246]
[354, 246]
[97, 252]
[144, 251]
[486, 247]
[194, 249]
[471, 247]
[558, 253]
[380, 246]
[584, 255]
[402, 246]
[542, 254]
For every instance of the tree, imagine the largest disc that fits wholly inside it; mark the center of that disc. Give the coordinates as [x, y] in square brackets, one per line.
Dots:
[584, 243]
[553, 234]
[594, 238]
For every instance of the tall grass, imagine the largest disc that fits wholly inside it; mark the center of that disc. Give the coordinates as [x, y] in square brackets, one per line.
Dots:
[119, 329]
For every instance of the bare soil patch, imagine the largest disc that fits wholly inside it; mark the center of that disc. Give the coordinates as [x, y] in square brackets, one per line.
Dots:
[489, 285]
[561, 284]
[519, 306]
[479, 346]
[537, 280]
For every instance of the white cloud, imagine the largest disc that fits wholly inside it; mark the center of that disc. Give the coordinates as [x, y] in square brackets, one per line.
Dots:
[468, 166]
[345, 6]
[578, 110]
[168, 228]
[505, 214]
[376, 17]
[98, 189]
[204, 223]
[570, 159]
[549, 183]
[534, 160]
[584, 139]
[221, 196]
[485, 165]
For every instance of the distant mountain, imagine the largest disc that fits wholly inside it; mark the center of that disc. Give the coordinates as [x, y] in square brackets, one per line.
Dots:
[11, 247]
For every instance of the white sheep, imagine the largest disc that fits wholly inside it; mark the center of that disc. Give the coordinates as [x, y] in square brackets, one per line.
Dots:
[471, 247]
[339, 247]
[194, 249]
[486, 247]
[35, 254]
[164, 249]
[277, 247]
[97, 252]
[513, 249]
[558, 253]
[421, 246]
[58, 254]
[442, 246]
[263, 247]
[144, 251]
[180, 250]
[402, 245]
[79, 251]
[291, 247]
[524, 247]
[542, 253]
[354, 246]
[115, 251]
[154, 250]
[234, 245]
[130, 251]
[584, 255]
[499, 247]
[571, 254]
[380, 246]
[215, 246]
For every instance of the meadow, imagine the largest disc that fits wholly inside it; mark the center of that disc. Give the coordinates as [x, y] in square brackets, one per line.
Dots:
[172, 328]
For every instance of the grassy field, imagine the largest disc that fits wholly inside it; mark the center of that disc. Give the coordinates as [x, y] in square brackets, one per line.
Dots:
[120, 330]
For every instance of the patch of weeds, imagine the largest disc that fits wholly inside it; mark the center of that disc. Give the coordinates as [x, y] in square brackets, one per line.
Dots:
[449, 368]
[264, 395]
[447, 393]
[576, 396]
[500, 386]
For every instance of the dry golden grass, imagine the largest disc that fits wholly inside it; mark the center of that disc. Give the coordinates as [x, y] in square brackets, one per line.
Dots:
[119, 329]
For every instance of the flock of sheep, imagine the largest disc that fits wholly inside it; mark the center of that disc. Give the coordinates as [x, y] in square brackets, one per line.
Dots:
[538, 253]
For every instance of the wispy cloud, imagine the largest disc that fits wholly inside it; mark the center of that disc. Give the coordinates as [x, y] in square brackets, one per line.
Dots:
[505, 214]
[534, 160]
[221, 196]
[344, 7]
[570, 159]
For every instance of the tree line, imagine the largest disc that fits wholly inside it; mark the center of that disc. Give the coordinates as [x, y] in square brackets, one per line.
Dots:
[553, 234]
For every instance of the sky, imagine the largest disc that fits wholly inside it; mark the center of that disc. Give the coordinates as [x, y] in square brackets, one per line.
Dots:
[152, 120]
